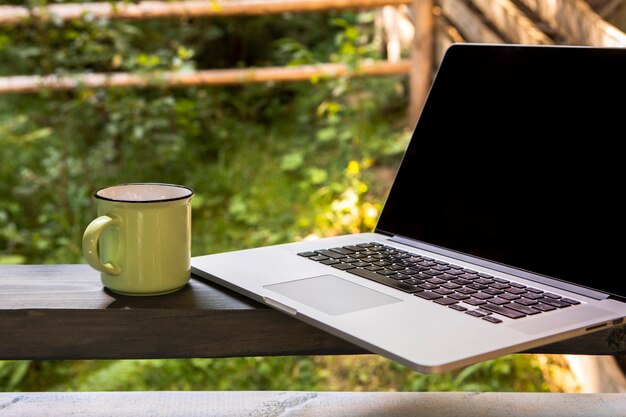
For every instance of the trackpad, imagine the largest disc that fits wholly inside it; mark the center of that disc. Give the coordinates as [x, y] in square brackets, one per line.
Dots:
[332, 295]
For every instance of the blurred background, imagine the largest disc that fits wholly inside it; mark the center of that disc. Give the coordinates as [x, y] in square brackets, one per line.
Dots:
[288, 119]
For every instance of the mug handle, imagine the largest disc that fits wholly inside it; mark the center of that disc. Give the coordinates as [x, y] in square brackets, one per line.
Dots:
[90, 245]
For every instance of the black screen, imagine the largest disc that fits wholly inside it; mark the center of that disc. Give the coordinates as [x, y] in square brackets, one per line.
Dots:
[517, 158]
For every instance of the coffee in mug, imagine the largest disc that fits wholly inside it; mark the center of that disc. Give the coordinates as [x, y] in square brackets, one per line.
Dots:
[141, 240]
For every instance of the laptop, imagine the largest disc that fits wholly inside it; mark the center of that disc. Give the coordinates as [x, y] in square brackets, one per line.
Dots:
[502, 231]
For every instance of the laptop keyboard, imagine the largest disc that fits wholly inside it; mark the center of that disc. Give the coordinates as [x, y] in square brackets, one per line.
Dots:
[478, 294]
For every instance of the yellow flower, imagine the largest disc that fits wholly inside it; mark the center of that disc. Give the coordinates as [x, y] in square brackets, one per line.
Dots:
[353, 167]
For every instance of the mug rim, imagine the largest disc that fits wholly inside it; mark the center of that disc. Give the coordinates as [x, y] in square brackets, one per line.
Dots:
[190, 193]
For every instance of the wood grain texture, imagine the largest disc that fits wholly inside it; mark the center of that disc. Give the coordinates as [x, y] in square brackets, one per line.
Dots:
[310, 404]
[471, 25]
[212, 77]
[141, 10]
[512, 23]
[62, 312]
[576, 21]
[421, 57]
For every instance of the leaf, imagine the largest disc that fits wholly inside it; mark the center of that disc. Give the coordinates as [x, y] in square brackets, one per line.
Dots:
[326, 134]
[292, 161]
[317, 175]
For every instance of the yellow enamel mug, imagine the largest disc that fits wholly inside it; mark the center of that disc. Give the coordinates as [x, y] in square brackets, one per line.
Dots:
[141, 239]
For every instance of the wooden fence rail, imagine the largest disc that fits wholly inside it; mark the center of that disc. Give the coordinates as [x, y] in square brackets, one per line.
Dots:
[419, 69]
[493, 21]
[162, 9]
[34, 83]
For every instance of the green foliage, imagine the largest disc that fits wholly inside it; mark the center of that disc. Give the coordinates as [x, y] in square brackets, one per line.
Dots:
[235, 146]
[361, 373]
[12, 374]
[180, 374]
[269, 163]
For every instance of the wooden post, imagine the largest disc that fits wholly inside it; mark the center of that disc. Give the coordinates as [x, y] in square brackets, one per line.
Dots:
[420, 74]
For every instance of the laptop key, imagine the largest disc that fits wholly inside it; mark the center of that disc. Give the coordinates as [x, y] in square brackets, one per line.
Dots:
[445, 301]
[390, 282]
[507, 312]
[474, 301]
[477, 286]
[549, 294]
[526, 302]
[532, 295]
[554, 303]
[523, 309]
[499, 286]
[354, 248]
[492, 319]
[330, 254]
[493, 291]
[543, 307]
[509, 297]
[343, 251]
[361, 264]
[499, 301]
[514, 290]
[459, 297]
[429, 295]
[342, 266]
[483, 296]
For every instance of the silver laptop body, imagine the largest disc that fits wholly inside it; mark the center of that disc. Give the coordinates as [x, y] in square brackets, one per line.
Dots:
[501, 232]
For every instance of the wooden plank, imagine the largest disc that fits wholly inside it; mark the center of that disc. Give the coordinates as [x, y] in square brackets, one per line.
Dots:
[34, 83]
[577, 22]
[62, 312]
[511, 22]
[311, 404]
[468, 22]
[194, 8]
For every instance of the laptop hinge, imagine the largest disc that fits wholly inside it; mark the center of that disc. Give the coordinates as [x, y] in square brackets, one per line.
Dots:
[587, 292]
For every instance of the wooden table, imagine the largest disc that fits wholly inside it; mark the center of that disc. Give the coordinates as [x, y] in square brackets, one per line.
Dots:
[62, 312]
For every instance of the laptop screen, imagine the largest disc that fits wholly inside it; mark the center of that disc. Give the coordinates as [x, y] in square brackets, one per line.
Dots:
[516, 158]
